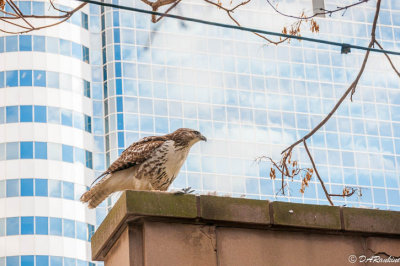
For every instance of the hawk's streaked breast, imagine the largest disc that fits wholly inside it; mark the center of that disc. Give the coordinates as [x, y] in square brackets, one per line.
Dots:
[152, 163]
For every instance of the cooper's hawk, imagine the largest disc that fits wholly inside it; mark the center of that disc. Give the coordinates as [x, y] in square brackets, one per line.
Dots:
[152, 163]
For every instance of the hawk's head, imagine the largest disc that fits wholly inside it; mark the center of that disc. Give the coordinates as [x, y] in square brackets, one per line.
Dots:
[186, 136]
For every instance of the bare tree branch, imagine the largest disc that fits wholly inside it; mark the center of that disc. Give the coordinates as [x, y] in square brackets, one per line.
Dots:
[388, 58]
[316, 172]
[166, 12]
[323, 11]
[17, 15]
[347, 192]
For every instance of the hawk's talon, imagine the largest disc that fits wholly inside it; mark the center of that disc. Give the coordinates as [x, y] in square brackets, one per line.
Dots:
[183, 191]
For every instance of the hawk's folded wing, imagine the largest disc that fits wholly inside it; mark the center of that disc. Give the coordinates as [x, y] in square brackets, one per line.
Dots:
[136, 153]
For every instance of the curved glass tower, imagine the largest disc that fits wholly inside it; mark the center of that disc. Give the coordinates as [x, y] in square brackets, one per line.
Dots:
[47, 142]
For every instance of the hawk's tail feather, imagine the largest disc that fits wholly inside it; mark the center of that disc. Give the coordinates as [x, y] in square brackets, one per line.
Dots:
[96, 194]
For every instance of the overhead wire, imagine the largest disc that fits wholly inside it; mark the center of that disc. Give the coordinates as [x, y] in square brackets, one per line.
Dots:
[344, 46]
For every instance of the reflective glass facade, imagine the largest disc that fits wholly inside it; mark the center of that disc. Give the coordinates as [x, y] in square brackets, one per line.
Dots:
[73, 97]
[252, 99]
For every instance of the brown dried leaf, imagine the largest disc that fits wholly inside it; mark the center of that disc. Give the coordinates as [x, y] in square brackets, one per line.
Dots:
[272, 174]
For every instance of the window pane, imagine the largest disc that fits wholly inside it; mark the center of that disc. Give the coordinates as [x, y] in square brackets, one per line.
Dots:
[90, 231]
[69, 262]
[25, 42]
[42, 260]
[25, 77]
[27, 226]
[12, 225]
[69, 228]
[39, 42]
[67, 153]
[27, 187]
[2, 189]
[81, 231]
[12, 114]
[25, 113]
[66, 118]
[79, 155]
[12, 188]
[12, 78]
[12, 150]
[25, 7]
[86, 89]
[12, 43]
[56, 261]
[2, 151]
[76, 19]
[85, 52]
[27, 260]
[65, 82]
[68, 190]
[40, 114]
[54, 115]
[88, 124]
[2, 79]
[38, 8]
[55, 188]
[41, 187]
[89, 163]
[41, 224]
[52, 80]
[12, 261]
[1, 44]
[2, 227]
[39, 78]
[52, 45]
[81, 263]
[79, 121]
[2, 115]
[56, 226]
[54, 151]
[65, 47]
[26, 150]
[40, 150]
[76, 50]
[85, 23]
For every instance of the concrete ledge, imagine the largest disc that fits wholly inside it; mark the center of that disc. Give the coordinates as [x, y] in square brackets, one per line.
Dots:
[234, 210]
[373, 221]
[138, 206]
[142, 203]
[306, 216]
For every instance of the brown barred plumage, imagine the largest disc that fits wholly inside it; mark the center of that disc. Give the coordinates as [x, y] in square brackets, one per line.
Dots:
[152, 163]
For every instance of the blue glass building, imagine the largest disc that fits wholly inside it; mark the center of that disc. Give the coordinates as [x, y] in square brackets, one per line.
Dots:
[74, 96]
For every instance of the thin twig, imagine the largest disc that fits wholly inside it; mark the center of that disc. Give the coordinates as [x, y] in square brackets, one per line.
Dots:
[166, 12]
[330, 12]
[56, 8]
[316, 172]
[229, 12]
[388, 58]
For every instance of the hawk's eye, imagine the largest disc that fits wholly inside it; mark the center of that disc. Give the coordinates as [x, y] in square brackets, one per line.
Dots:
[196, 132]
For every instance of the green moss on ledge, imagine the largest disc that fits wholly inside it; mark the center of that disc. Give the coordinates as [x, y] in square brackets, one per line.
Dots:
[241, 213]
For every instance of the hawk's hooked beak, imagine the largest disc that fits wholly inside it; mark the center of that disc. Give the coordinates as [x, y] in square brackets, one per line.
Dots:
[203, 138]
